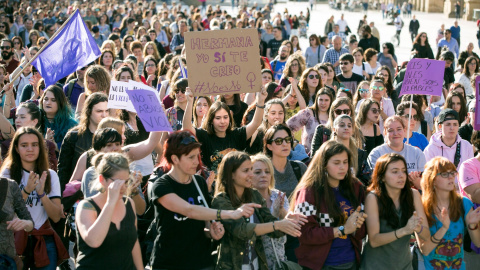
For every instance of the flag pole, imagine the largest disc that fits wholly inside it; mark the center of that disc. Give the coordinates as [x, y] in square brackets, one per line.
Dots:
[41, 49]
[409, 117]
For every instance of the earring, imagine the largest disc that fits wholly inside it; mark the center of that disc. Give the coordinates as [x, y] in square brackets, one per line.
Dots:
[326, 173]
[101, 190]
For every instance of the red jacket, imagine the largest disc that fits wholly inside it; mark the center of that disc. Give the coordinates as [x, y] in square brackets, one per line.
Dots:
[40, 250]
[317, 234]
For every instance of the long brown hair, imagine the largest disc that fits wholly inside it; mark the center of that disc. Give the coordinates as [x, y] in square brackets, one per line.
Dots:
[316, 178]
[230, 163]
[207, 124]
[429, 200]
[13, 161]
[386, 206]
[303, 87]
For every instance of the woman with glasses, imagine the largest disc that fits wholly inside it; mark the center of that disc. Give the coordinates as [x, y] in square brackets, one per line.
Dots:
[377, 88]
[395, 212]
[314, 53]
[388, 58]
[33, 37]
[125, 50]
[410, 111]
[367, 119]
[41, 41]
[293, 69]
[106, 222]
[394, 134]
[309, 85]
[385, 73]
[421, 47]
[308, 119]
[363, 92]
[331, 198]
[180, 213]
[267, 33]
[17, 47]
[150, 71]
[176, 112]
[470, 68]
[450, 217]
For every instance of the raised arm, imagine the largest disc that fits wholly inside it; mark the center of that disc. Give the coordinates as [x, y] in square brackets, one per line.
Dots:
[6, 128]
[187, 116]
[142, 149]
[258, 116]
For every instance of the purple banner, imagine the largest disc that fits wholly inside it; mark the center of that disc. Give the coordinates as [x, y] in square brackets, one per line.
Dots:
[149, 110]
[476, 125]
[423, 77]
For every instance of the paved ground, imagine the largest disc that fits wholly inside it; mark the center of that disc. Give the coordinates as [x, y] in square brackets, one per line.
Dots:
[429, 23]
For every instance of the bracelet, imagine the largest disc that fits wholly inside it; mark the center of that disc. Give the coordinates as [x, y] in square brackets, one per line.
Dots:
[24, 190]
[420, 230]
[438, 240]
[273, 224]
[219, 218]
[260, 107]
[395, 232]
[433, 241]
[474, 228]
[41, 196]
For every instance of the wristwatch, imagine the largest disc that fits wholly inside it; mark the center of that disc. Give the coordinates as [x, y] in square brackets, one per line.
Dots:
[342, 230]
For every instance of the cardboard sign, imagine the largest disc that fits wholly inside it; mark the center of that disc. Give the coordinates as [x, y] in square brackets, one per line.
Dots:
[148, 108]
[476, 125]
[423, 77]
[118, 97]
[223, 62]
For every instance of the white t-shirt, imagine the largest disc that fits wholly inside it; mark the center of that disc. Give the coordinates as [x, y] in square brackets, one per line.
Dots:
[359, 69]
[342, 25]
[34, 205]
[398, 23]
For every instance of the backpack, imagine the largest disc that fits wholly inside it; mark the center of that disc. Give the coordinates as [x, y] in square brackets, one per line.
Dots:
[71, 83]
[296, 170]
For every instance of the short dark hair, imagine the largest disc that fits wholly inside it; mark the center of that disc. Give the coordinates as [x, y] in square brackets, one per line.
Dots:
[104, 136]
[347, 57]
[267, 139]
[278, 28]
[448, 55]
[366, 28]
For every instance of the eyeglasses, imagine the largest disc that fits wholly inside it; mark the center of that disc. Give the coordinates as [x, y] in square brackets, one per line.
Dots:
[279, 141]
[180, 90]
[294, 65]
[313, 76]
[188, 140]
[2, 26]
[5, 48]
[129, 40]
[340, 112]
[414, 117]
[375, 111]
[378, 88]
[344, 63]
[42, 42]
[150, 65]
[363, 91]
[447, 174]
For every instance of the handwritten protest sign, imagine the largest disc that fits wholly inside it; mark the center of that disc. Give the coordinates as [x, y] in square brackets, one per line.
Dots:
[148, 108]
[476, 125]
[118, 98]
[423, 77]
[134, 85]
[223, 61]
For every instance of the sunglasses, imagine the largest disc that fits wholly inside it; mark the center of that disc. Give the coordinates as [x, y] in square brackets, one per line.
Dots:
[188, 140]
[5, 48]
[340, 112]
[279, 141]
[363, 91]
[42, 43]
[414, 117]
[378, 88]
[447, 174]
[180, 90]
[2, 26]
[375, 111]
[313, 76]
[129, 40]
[344, 63]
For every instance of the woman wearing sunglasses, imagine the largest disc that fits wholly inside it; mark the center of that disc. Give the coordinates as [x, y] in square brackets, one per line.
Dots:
[450, 217]
[363, 92]
[175, 113]
[309, 85]
[125, 49]
[377, 88]
[308, 119]
[180, 213]
[367, 120]
[414, 138]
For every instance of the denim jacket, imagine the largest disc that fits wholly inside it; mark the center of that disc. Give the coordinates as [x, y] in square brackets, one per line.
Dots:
[232, 244]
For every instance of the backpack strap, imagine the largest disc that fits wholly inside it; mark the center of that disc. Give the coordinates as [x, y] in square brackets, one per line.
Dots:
[456, 160]
[374, 130]
[423, 126]
[318, 53]
[296, 170]
[71, 83]
[273, 68]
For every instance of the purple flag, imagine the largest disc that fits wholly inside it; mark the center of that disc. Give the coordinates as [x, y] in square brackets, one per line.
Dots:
[149, 110]
[423, 77]
[72, 49]
[476, 125]
[183, 70]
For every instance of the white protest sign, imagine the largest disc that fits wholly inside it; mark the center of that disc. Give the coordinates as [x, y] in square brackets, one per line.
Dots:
[118, 98]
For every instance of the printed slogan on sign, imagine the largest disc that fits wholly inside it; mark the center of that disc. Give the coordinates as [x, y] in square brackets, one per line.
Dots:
[223, 61]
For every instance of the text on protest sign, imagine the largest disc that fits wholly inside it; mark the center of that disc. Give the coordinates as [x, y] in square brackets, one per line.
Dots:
[423, 77]
[476, 125]
[223, 61]
[134, 85]
[148, 108]
[118, 97]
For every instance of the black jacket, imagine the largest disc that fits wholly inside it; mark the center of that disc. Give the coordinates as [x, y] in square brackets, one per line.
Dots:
[414, 26]
[372, 42]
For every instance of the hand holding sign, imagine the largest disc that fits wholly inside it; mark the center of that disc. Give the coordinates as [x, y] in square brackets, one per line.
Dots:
[423, 77]
[148, 108]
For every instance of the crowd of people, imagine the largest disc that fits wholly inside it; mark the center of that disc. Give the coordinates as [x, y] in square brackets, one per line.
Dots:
[325, 167]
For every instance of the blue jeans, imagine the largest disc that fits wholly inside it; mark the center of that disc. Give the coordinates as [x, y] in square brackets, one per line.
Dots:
[52, 254]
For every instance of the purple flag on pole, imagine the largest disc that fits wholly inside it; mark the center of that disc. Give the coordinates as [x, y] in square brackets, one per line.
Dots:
[72, 49]
[476, 125]
[423, 77]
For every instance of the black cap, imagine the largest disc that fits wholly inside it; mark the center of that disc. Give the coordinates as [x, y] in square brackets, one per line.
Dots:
[448, 114]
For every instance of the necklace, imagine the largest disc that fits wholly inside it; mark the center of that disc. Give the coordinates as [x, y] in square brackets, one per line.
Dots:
[186, 182]
[440, 210]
